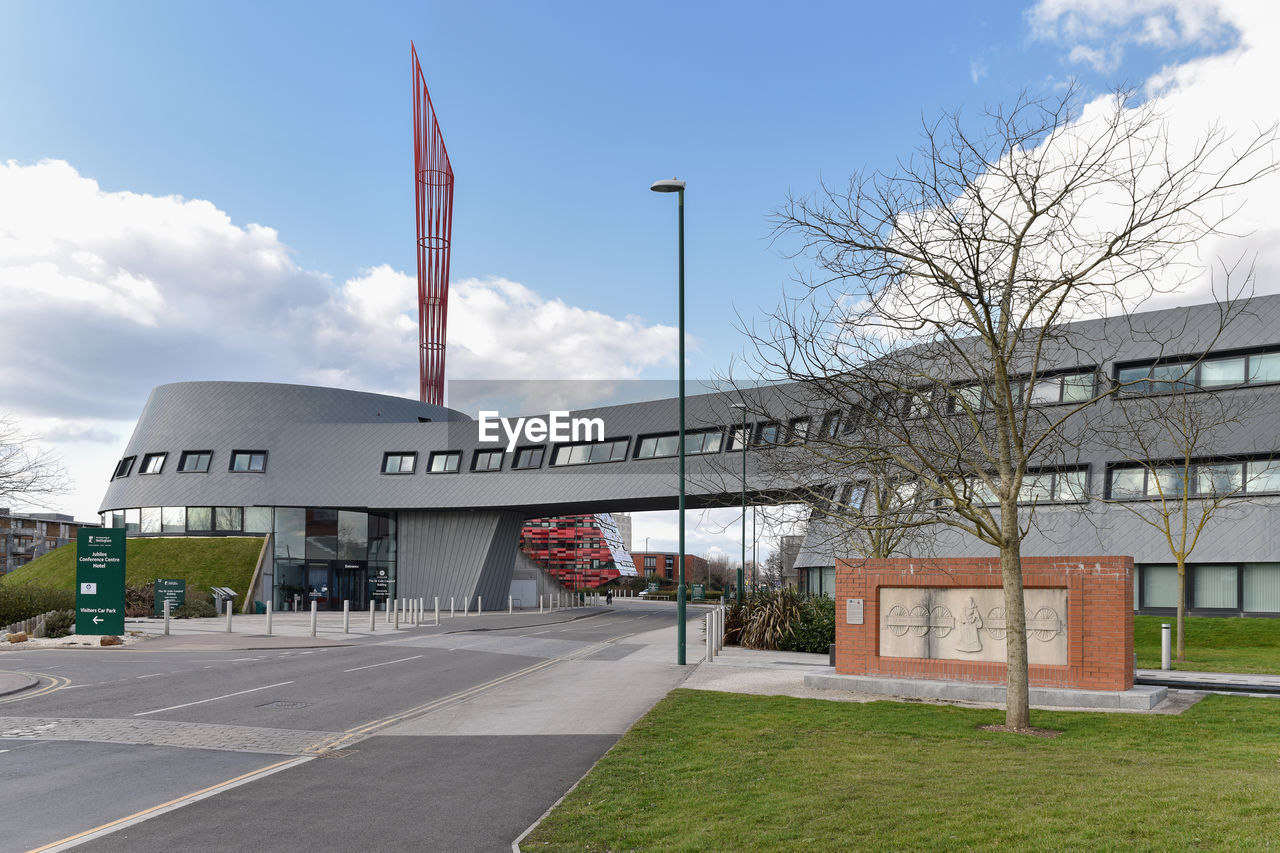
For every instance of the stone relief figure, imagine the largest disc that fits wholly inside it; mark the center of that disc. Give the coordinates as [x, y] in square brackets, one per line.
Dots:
[969, 624]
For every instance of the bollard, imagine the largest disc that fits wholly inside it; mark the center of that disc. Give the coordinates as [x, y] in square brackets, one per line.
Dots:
[510, 605]
[451, 607]
[422, 610]
[710, 643]
[269, 603]
[539, 603]
[437, 600]
[1166, 646]
[346, 616]
[396, 607]
[373, 615]
[479, 605]
[230, 610]
[167, 602]
[466, 605]
[313, 617]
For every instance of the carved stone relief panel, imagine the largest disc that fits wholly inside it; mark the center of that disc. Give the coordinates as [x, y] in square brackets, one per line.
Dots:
[969, 624]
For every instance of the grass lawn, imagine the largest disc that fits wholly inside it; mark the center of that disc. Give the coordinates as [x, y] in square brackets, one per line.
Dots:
[1213, 644]
[203, 562]
[727, 772]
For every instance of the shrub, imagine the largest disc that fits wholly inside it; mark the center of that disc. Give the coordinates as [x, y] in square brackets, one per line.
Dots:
[781, 620]
[199, 605]
[139, 600]
[59, 623]
[23, 602]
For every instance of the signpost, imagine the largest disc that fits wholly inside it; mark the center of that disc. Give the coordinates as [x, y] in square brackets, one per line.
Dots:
[699, 592]
[100, 580]
[173, 590]
[652, 587]
[380, 584]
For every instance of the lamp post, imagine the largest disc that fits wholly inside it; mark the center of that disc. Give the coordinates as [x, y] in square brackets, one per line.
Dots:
[743, 565]
[675, 186]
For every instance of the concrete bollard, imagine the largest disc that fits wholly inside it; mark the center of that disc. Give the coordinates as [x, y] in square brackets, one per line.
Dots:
[466, 605]
[422, 611]
[451, 607]
[396, 607]
[269, 603]
[313, 617]
[373, 615]
[346, 616]
[539, 603]
[710, 620]
[167, 602]
[1166, 646]
[230, 610]
[510, 605]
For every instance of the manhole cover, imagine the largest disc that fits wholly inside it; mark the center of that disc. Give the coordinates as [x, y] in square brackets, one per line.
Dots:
[288, 706]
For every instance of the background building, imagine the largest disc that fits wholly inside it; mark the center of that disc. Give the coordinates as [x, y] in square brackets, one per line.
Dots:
[578, 550]
[663, 565]
[23, 537]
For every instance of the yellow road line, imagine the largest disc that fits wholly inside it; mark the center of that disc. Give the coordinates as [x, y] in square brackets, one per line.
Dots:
[137, 815]
[57, 682]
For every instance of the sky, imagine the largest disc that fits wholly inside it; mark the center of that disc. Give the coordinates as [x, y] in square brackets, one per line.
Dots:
[224, 191]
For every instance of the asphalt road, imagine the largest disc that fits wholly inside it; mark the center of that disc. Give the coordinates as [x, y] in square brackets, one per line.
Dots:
[432, 738]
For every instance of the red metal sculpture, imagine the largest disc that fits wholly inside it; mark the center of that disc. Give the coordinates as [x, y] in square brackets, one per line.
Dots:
[433, 204]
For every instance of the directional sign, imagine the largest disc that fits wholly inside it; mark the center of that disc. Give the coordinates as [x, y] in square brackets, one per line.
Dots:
[100, 580]
[699, 592]
[170, 589]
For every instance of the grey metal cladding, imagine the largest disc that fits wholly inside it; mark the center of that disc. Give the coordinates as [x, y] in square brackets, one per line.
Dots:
[457, 555]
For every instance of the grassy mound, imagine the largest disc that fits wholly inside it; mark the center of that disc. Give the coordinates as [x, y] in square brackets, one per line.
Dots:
[202, 562]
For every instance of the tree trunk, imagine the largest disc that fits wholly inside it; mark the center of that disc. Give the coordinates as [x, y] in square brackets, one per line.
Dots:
[1017, 696]
[1182, 609]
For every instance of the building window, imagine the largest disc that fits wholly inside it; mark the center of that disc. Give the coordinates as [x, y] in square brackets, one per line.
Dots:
[444, 462]
[738, 437]
[1200, 479]
[614, 450]
[152, 463]
[487, 460]
[528, 457]
[195, 461]
[798, 430]
[650, 563]
[124, 467]
[228, 518]
[768, 433]
[830, 425]
[249, 460]
[668, 444]
[399, 463]
[1064, 388]
[1208, 373]
[1039, 487]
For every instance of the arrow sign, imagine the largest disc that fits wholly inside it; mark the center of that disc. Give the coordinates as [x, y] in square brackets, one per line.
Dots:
[100, 573]
[98, 619]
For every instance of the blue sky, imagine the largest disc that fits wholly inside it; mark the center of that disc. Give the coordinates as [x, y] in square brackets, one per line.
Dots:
[297, 117]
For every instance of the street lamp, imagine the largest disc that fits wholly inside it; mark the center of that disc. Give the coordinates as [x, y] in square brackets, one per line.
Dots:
[743, 565]
[675, 186]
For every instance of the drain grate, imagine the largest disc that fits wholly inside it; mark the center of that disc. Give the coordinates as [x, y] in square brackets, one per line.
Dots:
[286, 706]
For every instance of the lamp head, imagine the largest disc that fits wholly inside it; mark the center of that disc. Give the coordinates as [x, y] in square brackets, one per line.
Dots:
[671, 186]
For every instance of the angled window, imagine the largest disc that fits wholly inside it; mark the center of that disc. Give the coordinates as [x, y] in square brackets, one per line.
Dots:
[399, 463]
[195, 461]
[830, 424]
[444, 462]
[152, 463]
[249, 460]
[124, 467]
[487, 460]
[798, 429]
[768, 433]
[528, 457]
[614, 450]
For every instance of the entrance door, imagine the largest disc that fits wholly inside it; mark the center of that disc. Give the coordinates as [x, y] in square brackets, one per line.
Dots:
[351, 583]
[319, 586]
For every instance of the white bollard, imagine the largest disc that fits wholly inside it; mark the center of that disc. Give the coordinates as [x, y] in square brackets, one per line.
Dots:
[479, 605]
[466, 605]
[437, 605]
[396, 607]
[422, 611]
[346, 616]
[313, 617]
[1166, 646]
[451, 607]
[230, 610]
[539, 602]
[373, 614]
[167, 602]
[710, 642]
[510, 605]
[269, 603]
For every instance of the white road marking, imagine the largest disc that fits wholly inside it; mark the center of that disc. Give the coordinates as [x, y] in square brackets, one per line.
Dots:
[214, 699]
[152, 675]
[385, 663]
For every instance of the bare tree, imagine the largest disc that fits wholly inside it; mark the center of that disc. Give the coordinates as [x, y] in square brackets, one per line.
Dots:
[1167, 428]
[28, 475]
[934, 323]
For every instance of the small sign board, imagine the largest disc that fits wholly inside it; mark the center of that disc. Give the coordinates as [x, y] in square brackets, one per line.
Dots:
[173, 590]
[380, 582]
[853, 609]
[699, 592]
[652, 587]
[100, 580]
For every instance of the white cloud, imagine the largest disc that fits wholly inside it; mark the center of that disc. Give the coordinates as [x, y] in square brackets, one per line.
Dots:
[1097, 32]
[106, 294]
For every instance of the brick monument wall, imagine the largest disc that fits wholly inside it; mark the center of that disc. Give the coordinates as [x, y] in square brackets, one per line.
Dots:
[943, 619]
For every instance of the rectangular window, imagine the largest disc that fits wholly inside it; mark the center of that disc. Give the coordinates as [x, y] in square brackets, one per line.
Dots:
[830, 425]
[1264, 476]
[487, 460]
[738, 437]
[768, 433]
[173, 519]
[199, 519]
[1159, 586]
[444, 462]
[528, 457]
[124, 467]
[695, 442]
[152, 463]
[151, 519]
[614, 450]
[651, 562]
[249, 460]
[195, 461]
[1215, 587]
[1264, 368]
[399, 463]
[1175, 376]
[1128, 482]
[1224, 479]
[229, 518]
[799, 430]
[1262, 588]
[1215, 373]
[257, 519]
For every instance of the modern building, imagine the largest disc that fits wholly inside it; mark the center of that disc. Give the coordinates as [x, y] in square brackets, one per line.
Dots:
[353, 487]
[578, 550]
[23, 537]
[623, 520]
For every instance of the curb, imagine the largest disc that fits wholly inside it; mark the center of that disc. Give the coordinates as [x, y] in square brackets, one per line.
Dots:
[16, 682]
